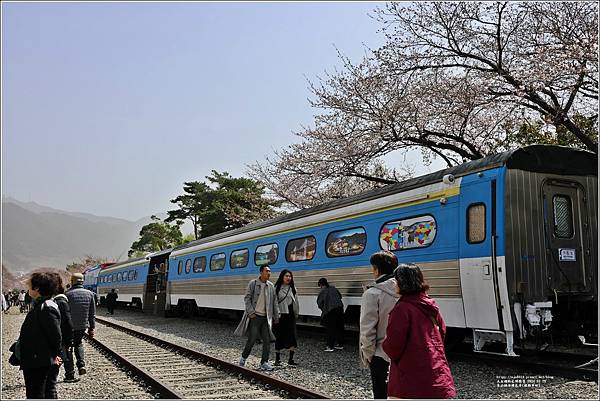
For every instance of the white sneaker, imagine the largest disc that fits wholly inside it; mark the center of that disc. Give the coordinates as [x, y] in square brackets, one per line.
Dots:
[328, 349]
[266, 366]
[339, 347]
[242, 361]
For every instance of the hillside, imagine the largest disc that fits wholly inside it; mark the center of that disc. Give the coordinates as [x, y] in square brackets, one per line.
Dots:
[43, 236]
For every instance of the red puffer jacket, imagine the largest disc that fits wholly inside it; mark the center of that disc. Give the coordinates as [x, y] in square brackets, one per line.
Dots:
[418, 367]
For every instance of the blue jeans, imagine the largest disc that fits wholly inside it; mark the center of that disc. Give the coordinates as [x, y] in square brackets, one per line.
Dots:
[258, 327]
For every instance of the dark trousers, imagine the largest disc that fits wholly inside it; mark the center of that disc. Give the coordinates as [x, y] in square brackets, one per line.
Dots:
[111, 308]
[41, 382]
[258, 328]
[79, 354]
[379, 375]
[334, 324]
[67, 356]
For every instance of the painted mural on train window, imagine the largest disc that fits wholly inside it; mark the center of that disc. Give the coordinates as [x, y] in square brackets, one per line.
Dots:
[409, 233]
[188, 266]
[346, 242]
[301, 249]
[266, 254]
[199, 264]
[239, 259]
[217, 262]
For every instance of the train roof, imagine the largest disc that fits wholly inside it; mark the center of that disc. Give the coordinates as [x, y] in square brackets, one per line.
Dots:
[129, 262]
[537, 158]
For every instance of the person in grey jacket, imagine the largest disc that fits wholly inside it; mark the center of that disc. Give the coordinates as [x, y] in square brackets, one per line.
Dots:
[261, 312]
[83, 316]
[329, 301]
[376, 304]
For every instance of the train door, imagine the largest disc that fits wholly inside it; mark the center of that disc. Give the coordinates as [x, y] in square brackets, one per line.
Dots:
[564, 216]
[477, 255]
[155, 294]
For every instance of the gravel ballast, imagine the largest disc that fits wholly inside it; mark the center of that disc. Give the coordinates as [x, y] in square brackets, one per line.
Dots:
[103, 380]
[337, 374]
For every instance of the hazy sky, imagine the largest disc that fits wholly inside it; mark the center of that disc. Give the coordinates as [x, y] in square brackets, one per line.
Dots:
[109, 107]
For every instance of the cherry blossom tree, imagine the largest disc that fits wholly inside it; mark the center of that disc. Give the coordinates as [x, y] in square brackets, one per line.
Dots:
[457, 81]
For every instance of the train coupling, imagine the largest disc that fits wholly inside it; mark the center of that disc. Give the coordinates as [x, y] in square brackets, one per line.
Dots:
[539, 315]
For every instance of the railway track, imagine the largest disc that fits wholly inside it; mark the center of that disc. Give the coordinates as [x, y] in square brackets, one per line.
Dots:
[178, 372]
[559, 364]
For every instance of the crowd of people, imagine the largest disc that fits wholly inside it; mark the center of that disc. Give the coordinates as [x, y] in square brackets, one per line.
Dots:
[20, 299]
[401, 329]
[52, 330]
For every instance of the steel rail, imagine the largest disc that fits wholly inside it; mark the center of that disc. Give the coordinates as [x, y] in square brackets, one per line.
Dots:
[524, 362]
[164, 390]
[293, 390]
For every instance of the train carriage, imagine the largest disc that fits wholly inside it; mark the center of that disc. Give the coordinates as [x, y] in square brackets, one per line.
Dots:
[127, 278]
[506, 243]
[90, 276]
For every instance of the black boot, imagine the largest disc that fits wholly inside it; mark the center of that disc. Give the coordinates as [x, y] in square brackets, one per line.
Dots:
[291, 360]
[277, 358]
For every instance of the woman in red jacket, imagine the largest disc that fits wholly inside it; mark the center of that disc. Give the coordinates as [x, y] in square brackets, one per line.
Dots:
[415, 342]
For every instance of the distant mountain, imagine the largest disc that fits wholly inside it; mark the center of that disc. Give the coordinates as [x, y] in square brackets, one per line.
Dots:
[36, 208]
[34, 236]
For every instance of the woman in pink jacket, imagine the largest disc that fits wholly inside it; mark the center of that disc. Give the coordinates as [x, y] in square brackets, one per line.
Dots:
[415, 342]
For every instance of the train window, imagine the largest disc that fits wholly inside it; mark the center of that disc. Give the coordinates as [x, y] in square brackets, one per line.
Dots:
[266, 254]
[346, 242]
[124, 276]
[135, 274]
[180, 267]
[413, 232]
[119, 276]
[114, 277]
[239, 259]
[476, 223]
[301, 249]
[200, 264]
[563, 216]
[217, 261]
[188, 266]
[130, 275]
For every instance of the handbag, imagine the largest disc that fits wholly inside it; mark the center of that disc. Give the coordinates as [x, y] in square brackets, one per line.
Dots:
[15, 357]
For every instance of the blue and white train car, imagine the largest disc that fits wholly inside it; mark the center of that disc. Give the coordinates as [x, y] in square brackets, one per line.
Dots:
[90, 277]
[503, 241]
[128, 278]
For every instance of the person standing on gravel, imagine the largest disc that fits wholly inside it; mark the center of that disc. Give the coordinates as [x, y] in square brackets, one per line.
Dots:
[83, 316]
[329, 301]
[376, 304]
[111, 301]
[285, 330]
[66, 328]
[262, 311]
[414, 341]
[22, 301]
[40, 339]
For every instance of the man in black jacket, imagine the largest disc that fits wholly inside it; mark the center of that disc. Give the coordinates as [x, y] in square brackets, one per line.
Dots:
[40, 339]
[111, 301]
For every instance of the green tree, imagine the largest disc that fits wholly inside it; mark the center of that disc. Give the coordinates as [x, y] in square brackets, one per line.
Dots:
[156, 236]
[190, 205]
[224, 204]
[531, 133]
[234, 203]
